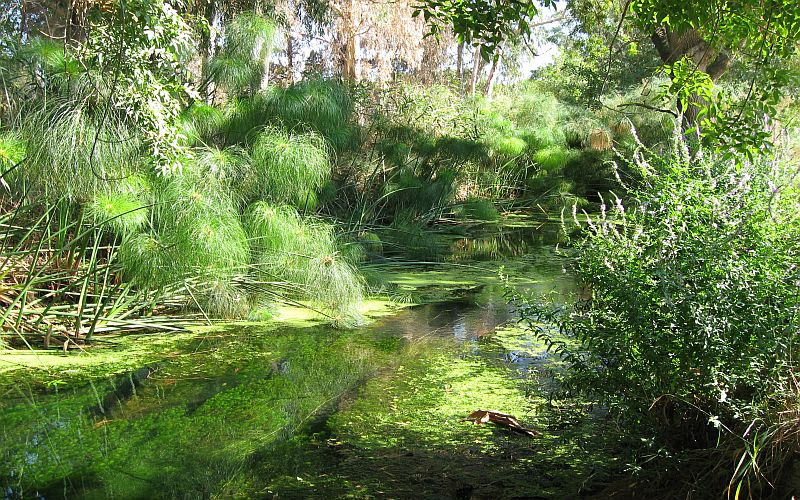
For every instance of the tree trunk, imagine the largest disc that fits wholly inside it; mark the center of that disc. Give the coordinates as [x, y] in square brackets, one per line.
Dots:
[460, 66]
[352, 69]
[477, 63]
[290, 56]
[265, 65]
[672, 47]
[493, 72]
[349, 72]
[23, 22]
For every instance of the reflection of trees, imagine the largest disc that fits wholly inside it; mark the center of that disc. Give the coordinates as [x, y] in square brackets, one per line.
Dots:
[504, 243]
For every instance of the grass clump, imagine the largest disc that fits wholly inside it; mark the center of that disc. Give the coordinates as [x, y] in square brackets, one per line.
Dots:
[321, 106]
[478, 209]
[201, 122]
[71, 155]
[290, 167]
[552, 159]
[303, 253]
[249, 40]
[121, 212]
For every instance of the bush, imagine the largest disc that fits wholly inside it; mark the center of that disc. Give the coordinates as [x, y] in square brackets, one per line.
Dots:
[691, 322]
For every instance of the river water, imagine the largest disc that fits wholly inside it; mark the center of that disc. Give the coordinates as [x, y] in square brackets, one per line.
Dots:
[302, 410]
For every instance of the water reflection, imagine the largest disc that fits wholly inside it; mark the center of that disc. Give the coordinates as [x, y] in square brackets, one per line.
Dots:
[498, 242]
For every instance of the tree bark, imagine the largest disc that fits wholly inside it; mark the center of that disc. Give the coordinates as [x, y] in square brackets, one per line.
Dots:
[290, 56]
[477, 64]
[460, 65]
[714, 61]
[352, 65]
[493, 72]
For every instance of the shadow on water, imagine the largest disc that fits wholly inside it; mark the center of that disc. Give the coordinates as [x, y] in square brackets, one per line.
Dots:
[303, 412]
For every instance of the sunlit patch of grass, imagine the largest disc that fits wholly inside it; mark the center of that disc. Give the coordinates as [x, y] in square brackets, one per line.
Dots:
[509, 145]
[12, 150]
[552, 159]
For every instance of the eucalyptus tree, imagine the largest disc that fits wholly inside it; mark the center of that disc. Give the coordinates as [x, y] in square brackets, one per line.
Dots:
[484, 24]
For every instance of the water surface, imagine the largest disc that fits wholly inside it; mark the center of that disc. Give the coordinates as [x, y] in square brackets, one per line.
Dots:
[304, 411]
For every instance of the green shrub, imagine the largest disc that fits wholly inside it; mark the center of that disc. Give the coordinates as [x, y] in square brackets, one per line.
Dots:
[324, 107]
[690, 329]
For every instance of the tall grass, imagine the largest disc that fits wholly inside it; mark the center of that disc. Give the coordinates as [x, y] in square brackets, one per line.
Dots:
[320, 106]
[291, 167]
[303, 253]
[72, 154]
[241, 65]
[200, 123]
[58, 281]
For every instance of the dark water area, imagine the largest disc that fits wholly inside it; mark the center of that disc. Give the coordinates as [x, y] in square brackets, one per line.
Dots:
[307, 411]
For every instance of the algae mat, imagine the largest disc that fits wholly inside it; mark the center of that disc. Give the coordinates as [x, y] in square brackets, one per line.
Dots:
[306, 411]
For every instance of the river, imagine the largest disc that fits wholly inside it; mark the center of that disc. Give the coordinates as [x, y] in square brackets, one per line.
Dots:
[297, 409]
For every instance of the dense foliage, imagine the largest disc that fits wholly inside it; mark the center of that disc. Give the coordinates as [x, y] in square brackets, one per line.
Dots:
[162, 159]
[689, 323]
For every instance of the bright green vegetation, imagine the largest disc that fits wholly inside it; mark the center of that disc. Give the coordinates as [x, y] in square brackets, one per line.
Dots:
[690, 332]
[303, 410]
[293, 176]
